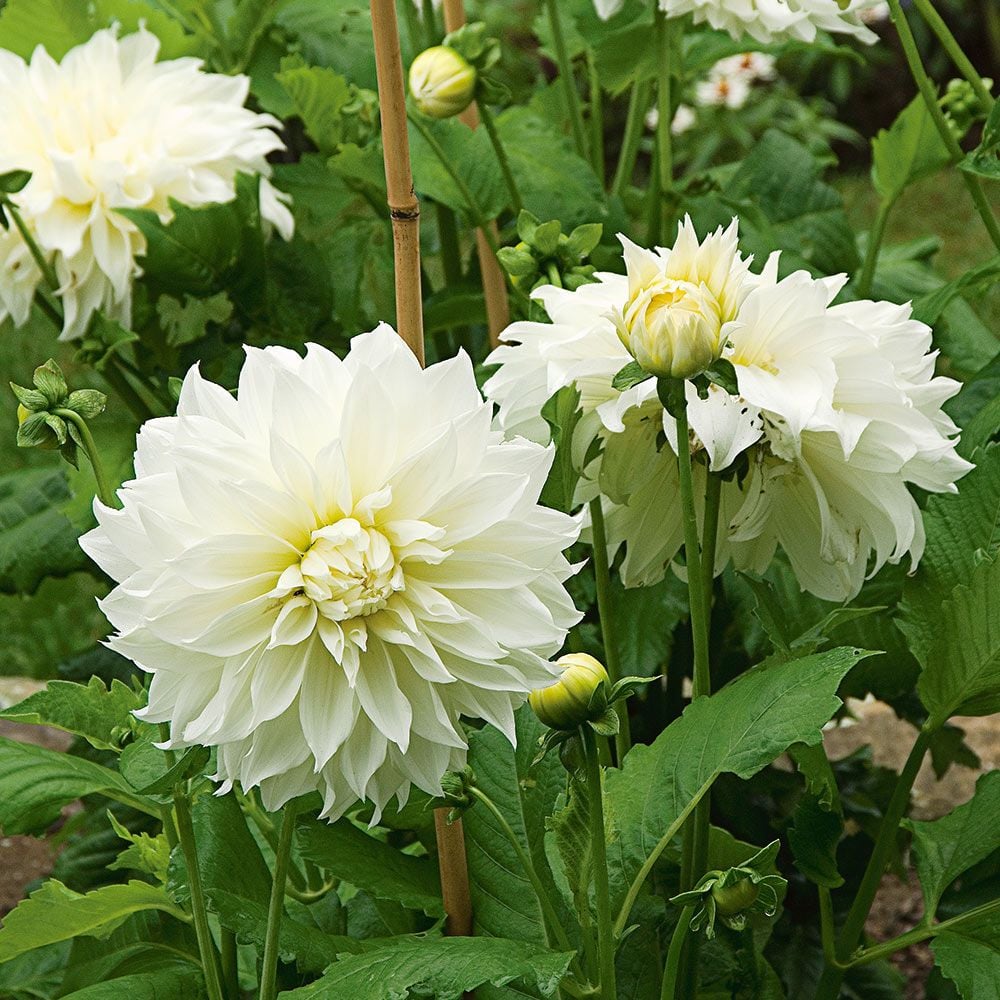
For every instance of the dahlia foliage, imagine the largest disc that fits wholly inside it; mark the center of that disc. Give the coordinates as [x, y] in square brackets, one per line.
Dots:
[503, 656]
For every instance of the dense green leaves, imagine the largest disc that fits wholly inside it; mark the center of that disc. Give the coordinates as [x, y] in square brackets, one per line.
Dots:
[444, 968]
[348, 853]
[36, 783]
[909, 149]
[36, 538]
[740, 729]
[55, 913]
[946, 847]
[90, 710]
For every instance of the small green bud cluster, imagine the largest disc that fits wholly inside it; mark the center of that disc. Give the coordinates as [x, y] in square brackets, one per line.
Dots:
[545, 255]
[731, 896]
[961, 106]
[49, 415]
[457, 787]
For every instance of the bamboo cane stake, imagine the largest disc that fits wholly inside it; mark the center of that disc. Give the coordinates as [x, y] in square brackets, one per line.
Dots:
[405, 212]
[494, 283]
[404, 209]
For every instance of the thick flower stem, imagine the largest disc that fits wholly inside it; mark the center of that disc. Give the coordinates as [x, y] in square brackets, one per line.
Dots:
[450, 838]
[501, 153]
[104, 491]
[230, 965]
[269, 965]
[203, 932]
[664, 105]
[599, 865]
[602, 577]
[566, 77]
[554, 931]
[668, 990]
[596, 118]
[404, 209]
[638, 104]
[929, 93]
[33, 248]
[949, 43]
[850, 933]
[875, 238]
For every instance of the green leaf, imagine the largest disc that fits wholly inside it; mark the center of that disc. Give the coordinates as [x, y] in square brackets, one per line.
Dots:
[909, 149]
[740, 729]
[632, 374]
[813, 838]
[961, 528]
[961, 667]
[969, 955]
[471, 157]
[318, 96]
[57, 25]
[928, 308]
[946, 847]
[644, 623]
[55, 913]
[89, 710]
[349, 853]
[36, 783]
[14, 181]
[503, 901]
[165, 984]
[35, 974]
[444, 968]
[562, 413]
[984, 159]
[144, 766]
[187, 321]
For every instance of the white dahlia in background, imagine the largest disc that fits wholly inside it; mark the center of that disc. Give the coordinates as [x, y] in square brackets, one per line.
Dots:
[324, 573]
[107, 128]
[722, 89]
[753, 66]
[838, 410]
[776, 20]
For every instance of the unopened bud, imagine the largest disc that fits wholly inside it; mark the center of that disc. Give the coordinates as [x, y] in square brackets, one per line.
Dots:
[735, 898]
[442, 82]
[573, 699]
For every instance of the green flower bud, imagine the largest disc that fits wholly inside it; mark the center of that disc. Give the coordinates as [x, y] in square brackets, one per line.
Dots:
[442, 82]
[570, 702]
[733, 899]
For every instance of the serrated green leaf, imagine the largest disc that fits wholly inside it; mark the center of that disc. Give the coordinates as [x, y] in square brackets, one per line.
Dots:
[54, 913]
[740, 730]
[145, 767]
[36, 783]
[165, 984]
[813, 838]
[89, 710]
[349, 853]
[969, 955]
[909, 149]
[318, 96]
[444, 968]
[946, 847]
[187, 321]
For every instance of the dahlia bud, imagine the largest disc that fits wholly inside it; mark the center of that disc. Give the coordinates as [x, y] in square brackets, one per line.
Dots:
[672, 328]
[442, 82]
[579, 696]
[735, 898]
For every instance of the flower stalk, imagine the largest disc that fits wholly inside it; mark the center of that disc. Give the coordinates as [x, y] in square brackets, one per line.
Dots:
[566, 76]
[489, 122]
[634, 122]
[104, 491]
[668, 990]
[275, 909]
[664, 103]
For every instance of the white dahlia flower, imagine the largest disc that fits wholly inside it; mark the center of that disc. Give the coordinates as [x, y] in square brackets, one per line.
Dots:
[769, 21]
[324, 573]
[722, 88]
[753, 66]
[107, 128]
[838, 410]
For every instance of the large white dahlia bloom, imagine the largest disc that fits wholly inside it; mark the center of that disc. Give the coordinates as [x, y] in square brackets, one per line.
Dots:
[838, 410]
[107, 128]
[324, 573]
[769, 21]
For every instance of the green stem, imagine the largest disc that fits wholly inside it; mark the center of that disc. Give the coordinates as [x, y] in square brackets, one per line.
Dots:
[694, 856]
[48, 272]
[501, 153]
[596, 117]
[991, 15]
[206, 945]
[430, 22]
[828, 933]
[669, 989]
[414, 28]
[602, 577]
[664, 104]
[566, 76]
[875, 238]
[230, 965]
[598, 851]
[451, 252]
[104, 491]
[710, 535]
[554, 932]
[638, 105]
[119, 382]
[929, 93]
[850, 933]
[962, 62]
[269, 966]
[918, 934]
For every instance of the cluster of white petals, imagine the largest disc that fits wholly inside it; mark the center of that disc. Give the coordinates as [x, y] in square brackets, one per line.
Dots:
[109, 128]
[768, 21]
[325, 572]
[838, 410]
